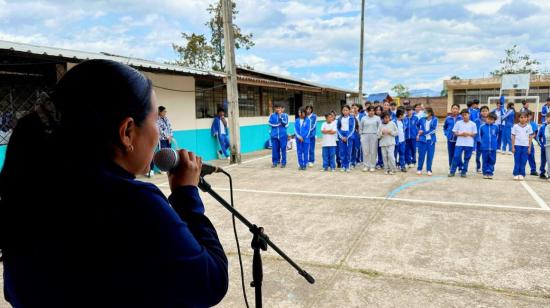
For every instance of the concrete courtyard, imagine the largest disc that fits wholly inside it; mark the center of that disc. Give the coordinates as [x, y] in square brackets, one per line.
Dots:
[375, 240]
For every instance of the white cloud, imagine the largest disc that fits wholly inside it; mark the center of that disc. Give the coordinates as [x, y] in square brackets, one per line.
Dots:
[487, 7]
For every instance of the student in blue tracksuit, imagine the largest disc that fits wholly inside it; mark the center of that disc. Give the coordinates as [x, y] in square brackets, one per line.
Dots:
[393, 111]
[448, 126]
[473, 108]
[426, 140]
[357, 154]
[219, 131]
[483, 114]
[531, 159]
[411, 131]
[488, 134]
[466, 131]
[278, 121]
[400, 143]
[545, 112]
[346, 130]
[541, 139]
[302, 127]
[499, 112]
[508, 120]
[313, 120]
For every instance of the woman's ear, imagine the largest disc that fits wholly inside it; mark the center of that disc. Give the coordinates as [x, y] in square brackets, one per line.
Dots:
[126, 131]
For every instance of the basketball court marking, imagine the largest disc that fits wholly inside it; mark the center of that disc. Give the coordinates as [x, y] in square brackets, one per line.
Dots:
[334, 196]
[535, 196]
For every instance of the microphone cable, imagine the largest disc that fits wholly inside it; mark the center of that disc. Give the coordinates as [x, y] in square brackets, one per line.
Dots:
[236, 236]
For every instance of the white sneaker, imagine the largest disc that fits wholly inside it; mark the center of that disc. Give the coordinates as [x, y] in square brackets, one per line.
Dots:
[499, 151]
[310, 164]
[521, 178]
[418, 172]
[429, 173]
[391, 172]
[365, 169]
[516, 178]
[342, 170]
[348, 170]
[372, 169]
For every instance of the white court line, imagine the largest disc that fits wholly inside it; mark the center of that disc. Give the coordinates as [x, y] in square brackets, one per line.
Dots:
[497, 206]
[535, 196]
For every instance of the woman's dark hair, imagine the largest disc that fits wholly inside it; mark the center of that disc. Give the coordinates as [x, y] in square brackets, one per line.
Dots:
[510, 106]
[91, 101]
[162, 108]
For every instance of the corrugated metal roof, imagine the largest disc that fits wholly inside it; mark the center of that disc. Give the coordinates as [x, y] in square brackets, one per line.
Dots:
[378, 97]
[84, 55]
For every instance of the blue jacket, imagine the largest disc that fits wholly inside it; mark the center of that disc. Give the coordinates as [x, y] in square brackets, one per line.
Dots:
[478, 122]
[393, 115]
[474, 114]
[541, 138]
[509, 118]
[545, 113]
[411, 129]
[534, 127]
[278, 125]
[499, 113]
[488, 134]
[303, 130]
[448, 127]
[313, 119]
[433, 128]
[216, 129]
[351, 128]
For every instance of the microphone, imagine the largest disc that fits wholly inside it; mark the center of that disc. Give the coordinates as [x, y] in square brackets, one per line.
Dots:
[167, 159]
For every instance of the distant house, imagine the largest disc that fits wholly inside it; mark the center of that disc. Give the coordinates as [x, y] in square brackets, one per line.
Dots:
[379, 97]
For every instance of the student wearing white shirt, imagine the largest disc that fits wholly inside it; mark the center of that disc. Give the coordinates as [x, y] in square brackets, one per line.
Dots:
[329, 131]
[522, 138]
[465, 131]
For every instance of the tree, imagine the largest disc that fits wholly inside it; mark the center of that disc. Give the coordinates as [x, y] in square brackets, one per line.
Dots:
[401, 91]
[515, 63]
[201, 54]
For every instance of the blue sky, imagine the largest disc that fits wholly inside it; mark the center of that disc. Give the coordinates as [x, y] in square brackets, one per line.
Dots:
[417, 43]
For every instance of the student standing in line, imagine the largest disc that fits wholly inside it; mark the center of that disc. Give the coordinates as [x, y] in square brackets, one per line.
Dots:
[419, 111]
[346, 129]
[508, 122]
[465, 130]
[278, 121]
[302, 127]
[545, 112]
[393, 110]
[356, 139]
[525, 106]
[488, 134]
[312, 136]
[448, 126]
[219, 131]
[379, 161]
[400, 140]
[387, 133]
[329, 131]
[473, 108]
[522, 139]
[426, 141]
[338, 160]
[369, 138]
[411, 131]
[483, 114]
[499, 111]
[531, 159]
[544, 150]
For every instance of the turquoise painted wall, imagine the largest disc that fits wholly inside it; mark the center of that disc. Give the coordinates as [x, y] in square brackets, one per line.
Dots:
[2, 155]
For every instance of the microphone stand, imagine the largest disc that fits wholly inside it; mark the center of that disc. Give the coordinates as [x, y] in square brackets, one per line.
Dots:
[260, 241]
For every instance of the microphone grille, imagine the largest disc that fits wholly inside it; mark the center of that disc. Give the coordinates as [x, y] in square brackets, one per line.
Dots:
[166, 159]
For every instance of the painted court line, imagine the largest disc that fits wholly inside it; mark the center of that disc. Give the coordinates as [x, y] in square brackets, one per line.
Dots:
[535, 196]
[394, 192]
[468, 204]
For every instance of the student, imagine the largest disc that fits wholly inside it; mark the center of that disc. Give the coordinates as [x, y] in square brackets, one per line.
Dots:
[387, 133]
[346, 130]
[473, 108]
[499, 112]
[278, 121]
[544, 148]
[356, 156]
[465, 130]
[488, 134]
[522, 139]
[483, 114]
[448, 126]
[545, 112]
[411, 131]
[338, 161]
[219, 131]
[302, 127]
[329, 131]
[531, 159]
[508, 122]
[386, 106]
[426, 140]
[393, 110]
[525, 106]
[379, 162]
[313, 121]
[368, 128]
[291, 142]
[400, 140]
[419, 111]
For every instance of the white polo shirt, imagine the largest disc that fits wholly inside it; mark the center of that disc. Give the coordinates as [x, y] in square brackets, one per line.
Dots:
[465, 127]
[522, 134]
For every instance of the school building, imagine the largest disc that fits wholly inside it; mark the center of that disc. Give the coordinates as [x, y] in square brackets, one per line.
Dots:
[191, 96]
[463, 90]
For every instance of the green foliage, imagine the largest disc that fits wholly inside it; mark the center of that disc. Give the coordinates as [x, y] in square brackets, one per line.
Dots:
[401, 91]
[515, 63]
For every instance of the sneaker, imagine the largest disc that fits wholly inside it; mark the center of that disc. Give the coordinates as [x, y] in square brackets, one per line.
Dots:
[283, 166]
[378, 167]
[516, 178]
[485, 176]
[499, 151]
[324, 170]
[372, 170]
[332, 170]
[391, 172]
[542, 176]
[429, 173]
[451, 175]
[489, 177]
[348, 170]
[463, 175]
[365, 169]
[521, 178]
[274, 166]
[387, 172]
[479, 171]
[510, 153]
[310, 164]
[342, 170]
[534, 173]
[418, 172]
[403, 169]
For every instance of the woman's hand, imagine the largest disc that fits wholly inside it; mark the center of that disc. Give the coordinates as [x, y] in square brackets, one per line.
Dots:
[188, 171]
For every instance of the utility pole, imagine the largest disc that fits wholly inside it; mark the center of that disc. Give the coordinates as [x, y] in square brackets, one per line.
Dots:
[231, 82]
[361, 52]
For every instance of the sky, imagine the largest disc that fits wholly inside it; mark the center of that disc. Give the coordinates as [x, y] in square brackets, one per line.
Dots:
[417, 43]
